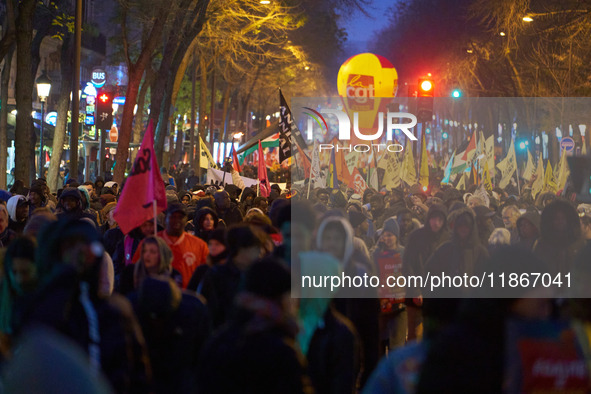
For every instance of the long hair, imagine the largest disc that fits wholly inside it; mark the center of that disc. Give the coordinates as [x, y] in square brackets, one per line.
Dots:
[164, 264]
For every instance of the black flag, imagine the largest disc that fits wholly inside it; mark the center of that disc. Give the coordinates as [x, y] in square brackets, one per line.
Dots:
[287, 130]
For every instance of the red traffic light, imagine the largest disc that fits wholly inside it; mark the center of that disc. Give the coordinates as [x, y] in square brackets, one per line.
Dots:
[426, 87]
[104, 98]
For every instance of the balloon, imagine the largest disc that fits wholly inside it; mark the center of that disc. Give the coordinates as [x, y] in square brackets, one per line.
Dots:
[362, 81]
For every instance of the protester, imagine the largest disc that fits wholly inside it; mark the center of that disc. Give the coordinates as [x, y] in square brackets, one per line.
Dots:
[420, 246]
[37, 198]
[584, 211]
[18, 212]
[188, 251]
[68, 262]
[18, 282]
[6, 234]
[205, 221]
[221, 282]
[175, 325]
[560, 236]
[155, 261]
[257, 347]
[388, 259]
[528, 226]
[227, 211]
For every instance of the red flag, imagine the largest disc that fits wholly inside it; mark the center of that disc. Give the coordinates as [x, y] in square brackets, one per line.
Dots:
[235, 162]
[143, 186]
[263, 180]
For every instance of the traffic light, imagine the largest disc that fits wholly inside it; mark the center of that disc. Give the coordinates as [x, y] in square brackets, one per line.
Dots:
[425, 93]
[104, 110]
[456, 93]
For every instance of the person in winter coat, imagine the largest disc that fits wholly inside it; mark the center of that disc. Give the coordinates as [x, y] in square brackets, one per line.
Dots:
[528, 226]
[463, 254]
[327, 338]
[218, 253]
[470, 355]
[68, 262]
[420, 246]
[407, 224]
[227, 211]
[126, 248]
[18, 212]
[18, 282]
[510, 215]
[205, 221]
[560, 237]
[388, 258]
[70, 206]
[155, 261]
[360, 305]
[6, 234]
[255, 353]
[221, 283]
[247, 199]
[175, 325]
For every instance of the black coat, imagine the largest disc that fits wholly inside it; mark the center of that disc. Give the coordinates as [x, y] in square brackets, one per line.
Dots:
[245, 361]
[174, 342]
[220, 285]
[421, 244]
[123, 355]
[334, 355]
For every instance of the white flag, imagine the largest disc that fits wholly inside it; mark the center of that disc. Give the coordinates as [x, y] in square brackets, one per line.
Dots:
[316, 176]
[539, 182]
[408, 173]
[507, 167]
[529, 167]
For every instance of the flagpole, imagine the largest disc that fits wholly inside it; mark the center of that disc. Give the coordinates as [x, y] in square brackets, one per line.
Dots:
[518, 183]
[311, 164]
[154, 205]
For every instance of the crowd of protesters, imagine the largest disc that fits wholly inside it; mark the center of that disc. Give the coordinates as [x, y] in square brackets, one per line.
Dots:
[205, 304]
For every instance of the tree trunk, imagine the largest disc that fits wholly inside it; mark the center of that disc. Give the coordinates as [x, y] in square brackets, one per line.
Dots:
[63, 104]
[131, 93]
[212, 110]
[162, 129]
[192, 117]
[24, 89]
[202, 101]
[179, 150]
[138, 125]
[4, 117]
[135, 73]
[226, 112]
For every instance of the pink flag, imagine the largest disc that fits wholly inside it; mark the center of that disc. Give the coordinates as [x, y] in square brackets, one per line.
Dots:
[143, 186]
[263, 180]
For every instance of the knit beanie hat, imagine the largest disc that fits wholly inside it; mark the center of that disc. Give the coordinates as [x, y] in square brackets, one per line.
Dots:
[391, 225]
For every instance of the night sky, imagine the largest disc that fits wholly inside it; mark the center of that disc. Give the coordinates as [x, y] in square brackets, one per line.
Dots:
[361, 29]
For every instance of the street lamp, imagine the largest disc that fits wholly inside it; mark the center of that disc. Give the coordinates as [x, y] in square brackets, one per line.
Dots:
[43, 87]
[528, 19]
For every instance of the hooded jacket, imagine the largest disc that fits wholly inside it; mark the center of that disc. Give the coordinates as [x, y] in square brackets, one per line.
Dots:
[534, 218]
[198, 219]
[421, 245]
[11, 207]
[364, 309]
[78, 212]
[69, 301]
[457, 256]
[559, 248]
